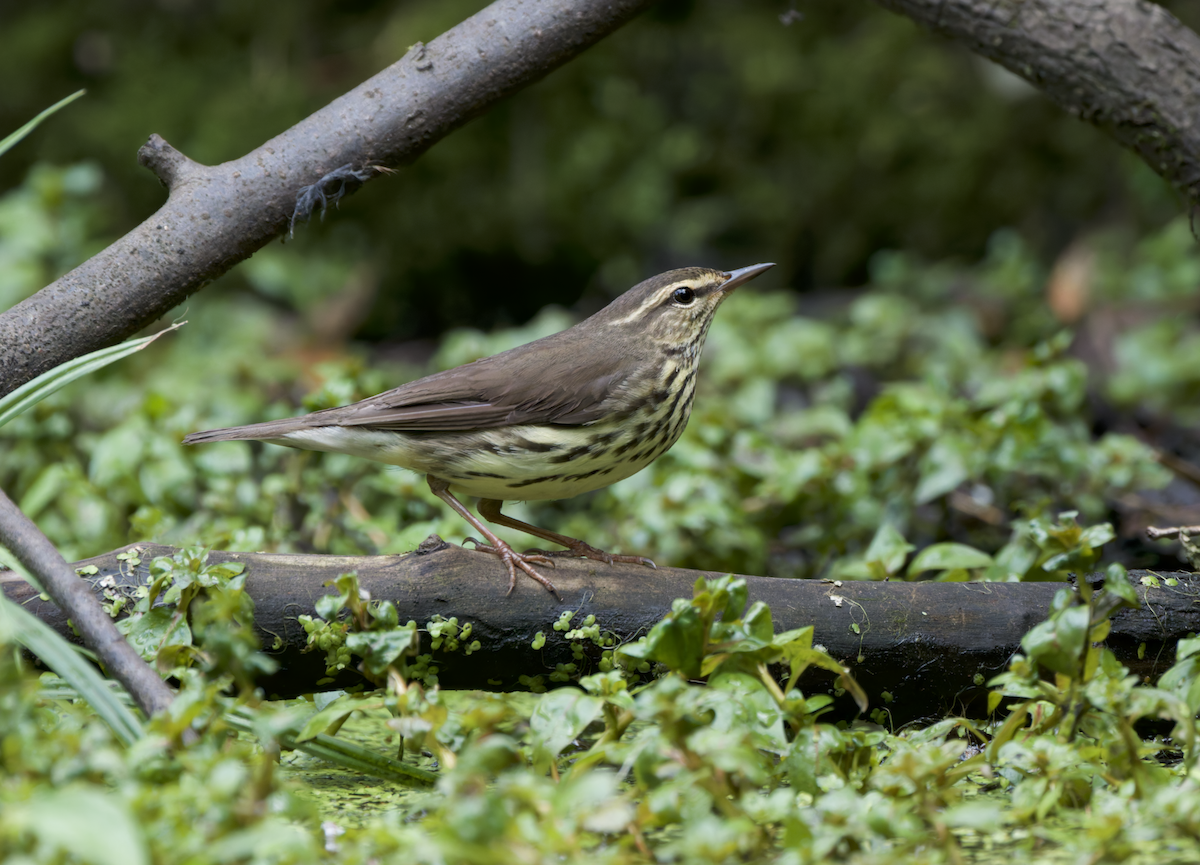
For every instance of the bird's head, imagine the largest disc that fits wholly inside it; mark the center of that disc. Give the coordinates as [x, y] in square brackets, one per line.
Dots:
[675, 308]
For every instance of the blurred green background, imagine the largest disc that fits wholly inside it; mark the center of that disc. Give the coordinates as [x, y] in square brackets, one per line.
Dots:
[991, 290]
[702, 133]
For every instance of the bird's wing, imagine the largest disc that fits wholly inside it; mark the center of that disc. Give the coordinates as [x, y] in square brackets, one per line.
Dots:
[554, 380]
[547, 381]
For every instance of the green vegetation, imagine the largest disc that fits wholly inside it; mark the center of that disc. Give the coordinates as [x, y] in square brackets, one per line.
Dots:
[831, 444]
[942, 401]
[737, 769]
[982, 405]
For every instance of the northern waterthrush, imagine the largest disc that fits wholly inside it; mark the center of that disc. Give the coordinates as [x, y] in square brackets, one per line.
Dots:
[560, 416]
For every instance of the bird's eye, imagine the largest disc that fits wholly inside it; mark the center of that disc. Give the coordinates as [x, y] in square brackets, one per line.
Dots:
[684, 296]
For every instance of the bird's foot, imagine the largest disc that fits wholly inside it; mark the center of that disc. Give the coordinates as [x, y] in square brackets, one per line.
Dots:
[577, 549]
[513, 560]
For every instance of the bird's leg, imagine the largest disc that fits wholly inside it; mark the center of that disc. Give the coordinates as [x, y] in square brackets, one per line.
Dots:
[511, 558]
[575, 548]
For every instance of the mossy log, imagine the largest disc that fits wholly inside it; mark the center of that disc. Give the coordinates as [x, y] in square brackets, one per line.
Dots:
[928, 646]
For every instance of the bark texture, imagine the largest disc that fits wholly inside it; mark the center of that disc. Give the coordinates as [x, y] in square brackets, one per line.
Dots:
[1128, 66]
[216, 216]
[928, 645]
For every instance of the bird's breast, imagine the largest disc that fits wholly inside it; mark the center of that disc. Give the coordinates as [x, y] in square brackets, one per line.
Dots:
[529, 462]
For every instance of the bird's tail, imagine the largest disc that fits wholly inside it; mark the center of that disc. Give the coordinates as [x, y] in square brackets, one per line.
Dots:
[272, 430]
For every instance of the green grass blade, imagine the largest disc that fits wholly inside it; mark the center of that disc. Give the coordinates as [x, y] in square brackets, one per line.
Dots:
[10, 141]
[342, 753]
[33, 392]
[19, 625]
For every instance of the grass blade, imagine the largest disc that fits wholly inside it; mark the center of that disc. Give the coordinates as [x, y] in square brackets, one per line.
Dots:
[33, 392]
[342, 753]
[60, 656]
[10, 141]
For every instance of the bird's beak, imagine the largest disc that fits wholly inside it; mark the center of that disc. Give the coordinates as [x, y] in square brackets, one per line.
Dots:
[734, 278]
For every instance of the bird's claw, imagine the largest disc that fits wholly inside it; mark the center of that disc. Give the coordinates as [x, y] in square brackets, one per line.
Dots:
[513, 560]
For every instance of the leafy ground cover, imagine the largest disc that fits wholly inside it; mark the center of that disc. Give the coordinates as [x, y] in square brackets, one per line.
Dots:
[942, 422]
[615, 767]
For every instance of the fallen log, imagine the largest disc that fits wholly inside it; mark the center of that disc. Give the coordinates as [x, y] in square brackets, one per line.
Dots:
[929, 646]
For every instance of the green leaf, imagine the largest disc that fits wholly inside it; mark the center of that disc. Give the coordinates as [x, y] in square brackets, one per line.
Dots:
[943, 469]
[1059, 642]
[60, 656]
[889, 549]
[33, 392]
[677, 641]
[558, 719]
[382, 649]
[87, 824]
[335, 713]
[9, 141]
[1116, 582]
[948, 556]
[1187, 647]
[758, 622]
[800, 655]
[151, 631]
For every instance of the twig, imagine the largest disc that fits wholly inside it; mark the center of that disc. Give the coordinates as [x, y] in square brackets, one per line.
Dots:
[1178, 465]
[989, 514]
[74, 596]
[1127, 66]
[937, 639]
[1154, 533]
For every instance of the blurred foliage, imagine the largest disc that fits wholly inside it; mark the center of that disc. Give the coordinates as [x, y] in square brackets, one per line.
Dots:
[702, 132]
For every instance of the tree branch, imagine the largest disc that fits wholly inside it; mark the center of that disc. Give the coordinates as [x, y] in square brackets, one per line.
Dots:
[217, 216]
[1127, 66]
[74, 600]
[931, 646]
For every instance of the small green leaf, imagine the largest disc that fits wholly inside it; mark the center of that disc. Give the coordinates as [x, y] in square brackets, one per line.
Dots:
[889, 549]
[87, 824]
[335, 713]
[559, 718]
[947, 556]
[943, 468]
[1059, 642]
[382, 649]
[1116, 582]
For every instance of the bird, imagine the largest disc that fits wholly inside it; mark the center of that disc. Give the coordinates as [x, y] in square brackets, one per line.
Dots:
[563, 415]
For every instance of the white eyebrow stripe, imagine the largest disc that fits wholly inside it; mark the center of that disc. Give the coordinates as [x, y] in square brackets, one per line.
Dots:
[654, 300]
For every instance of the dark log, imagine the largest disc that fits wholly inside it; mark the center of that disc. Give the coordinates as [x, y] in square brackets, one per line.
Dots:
[927, 644]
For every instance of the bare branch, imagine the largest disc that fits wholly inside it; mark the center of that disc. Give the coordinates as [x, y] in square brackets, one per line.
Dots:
[75, 600]
[217, 216]
[1127, 66]
[1155, 533]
